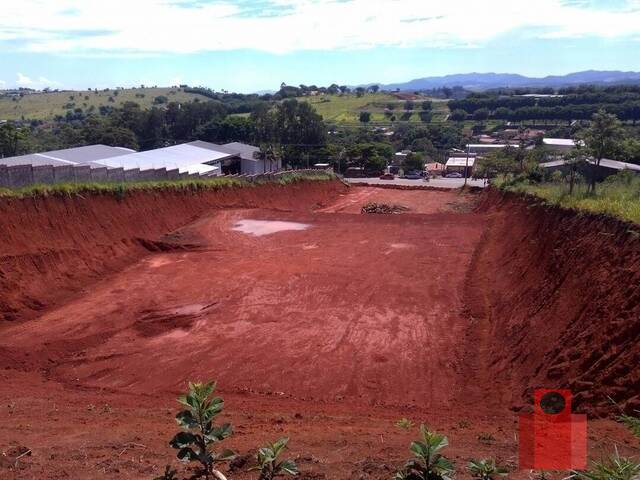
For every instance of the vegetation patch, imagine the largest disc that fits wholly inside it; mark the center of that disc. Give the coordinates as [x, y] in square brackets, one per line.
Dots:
[188, 185]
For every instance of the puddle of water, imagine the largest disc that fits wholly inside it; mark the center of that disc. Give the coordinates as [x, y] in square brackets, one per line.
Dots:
[400, 246]
[259, 228]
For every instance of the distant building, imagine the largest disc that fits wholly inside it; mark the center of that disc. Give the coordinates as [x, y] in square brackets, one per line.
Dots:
[558, 145]
[87, 155]
[460, 165]
[198, 157]
[488, 147]
[606, 168]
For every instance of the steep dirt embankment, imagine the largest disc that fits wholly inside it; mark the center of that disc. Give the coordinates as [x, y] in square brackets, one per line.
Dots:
[559, 295]
[53, 247]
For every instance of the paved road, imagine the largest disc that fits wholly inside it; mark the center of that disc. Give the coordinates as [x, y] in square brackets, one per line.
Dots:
[434, 182]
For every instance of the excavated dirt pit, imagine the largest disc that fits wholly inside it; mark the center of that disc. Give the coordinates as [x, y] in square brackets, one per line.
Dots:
[320, 324]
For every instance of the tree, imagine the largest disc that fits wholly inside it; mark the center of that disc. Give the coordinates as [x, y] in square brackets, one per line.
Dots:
[198, 436]
[365, 117]
[409, 105]
[428, 464]
[360, 91]
[481, 114]
[458, 115]
[414, 161]
[268, 463]
[601, 139]
[13, 140]
[374, 88]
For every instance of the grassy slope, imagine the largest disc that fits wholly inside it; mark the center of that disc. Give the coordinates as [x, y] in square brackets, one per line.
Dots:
[190, 184]
[616, 197]
[45, 106]
[346, 108]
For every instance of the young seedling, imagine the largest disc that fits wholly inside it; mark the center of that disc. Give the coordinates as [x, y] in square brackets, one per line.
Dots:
[404, 424]
[613, 468]
[268, 463]
[486, 469]
[428, 463]
[195, 443]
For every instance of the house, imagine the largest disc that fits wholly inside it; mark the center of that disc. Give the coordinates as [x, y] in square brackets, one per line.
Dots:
[558, 145]
[463, 165]
[435, 168]
[487, 147]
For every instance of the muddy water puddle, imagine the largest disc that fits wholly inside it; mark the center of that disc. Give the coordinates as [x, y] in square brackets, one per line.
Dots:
[259, 228]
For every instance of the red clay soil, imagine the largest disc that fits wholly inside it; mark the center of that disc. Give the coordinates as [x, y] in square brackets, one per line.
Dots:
[328, 335]
[562, 292]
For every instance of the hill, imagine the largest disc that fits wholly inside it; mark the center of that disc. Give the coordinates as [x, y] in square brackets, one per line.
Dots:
[346, 108]
[485, 81]
[46, 105]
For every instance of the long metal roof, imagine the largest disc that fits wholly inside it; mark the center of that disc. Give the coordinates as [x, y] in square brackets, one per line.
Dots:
[185, 157]
[68, 156]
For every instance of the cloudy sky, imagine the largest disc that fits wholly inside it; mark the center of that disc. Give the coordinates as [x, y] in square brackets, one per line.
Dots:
[249, 45]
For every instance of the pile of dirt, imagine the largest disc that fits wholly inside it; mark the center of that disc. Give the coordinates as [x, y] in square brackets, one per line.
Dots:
[558, 294]
[383, 208]
[52, 247]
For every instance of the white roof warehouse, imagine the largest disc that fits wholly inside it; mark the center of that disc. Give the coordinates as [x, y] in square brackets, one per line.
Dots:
[198, 157]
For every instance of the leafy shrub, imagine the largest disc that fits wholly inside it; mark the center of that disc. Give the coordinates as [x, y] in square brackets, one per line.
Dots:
[486, 469]
[199, 435]
[428, 463]
[268, 464]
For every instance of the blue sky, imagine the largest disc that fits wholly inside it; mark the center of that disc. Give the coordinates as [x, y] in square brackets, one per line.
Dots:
[249, 45]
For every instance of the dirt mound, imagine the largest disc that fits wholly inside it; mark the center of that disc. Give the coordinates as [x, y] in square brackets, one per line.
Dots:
[558, 294]
[52, 247]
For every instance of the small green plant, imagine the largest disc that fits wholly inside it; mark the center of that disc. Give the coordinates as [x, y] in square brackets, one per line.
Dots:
[268, 463]
[632, 423]
[428, 464]
[486, 469]
[613, 468]
[199, 435]
[404, 424]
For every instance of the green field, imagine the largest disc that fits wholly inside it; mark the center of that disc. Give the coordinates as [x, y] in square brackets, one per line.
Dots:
[346, 108]
[45, 106]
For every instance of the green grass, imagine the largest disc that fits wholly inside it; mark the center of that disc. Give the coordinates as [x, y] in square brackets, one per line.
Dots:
[346, 108]
[618, 196]
[45, 106]
[186, 185]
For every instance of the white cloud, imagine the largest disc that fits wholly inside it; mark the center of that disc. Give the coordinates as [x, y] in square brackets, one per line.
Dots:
[39, 83]
[124, 27]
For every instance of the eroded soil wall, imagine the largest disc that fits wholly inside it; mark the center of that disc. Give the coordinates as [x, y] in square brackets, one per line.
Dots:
[558, 296]
[53, 247]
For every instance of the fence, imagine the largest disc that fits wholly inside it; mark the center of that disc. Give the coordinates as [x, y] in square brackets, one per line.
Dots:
[24, 175]
[17, 176]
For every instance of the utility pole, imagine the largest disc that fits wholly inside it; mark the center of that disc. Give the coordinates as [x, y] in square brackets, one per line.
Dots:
[466, 167]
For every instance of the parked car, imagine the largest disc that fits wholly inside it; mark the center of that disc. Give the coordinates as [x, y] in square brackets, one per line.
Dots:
[413, 176]
[387, 176]
[453, 175]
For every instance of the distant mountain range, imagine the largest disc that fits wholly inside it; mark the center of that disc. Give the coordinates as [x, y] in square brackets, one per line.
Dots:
[486, 81]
